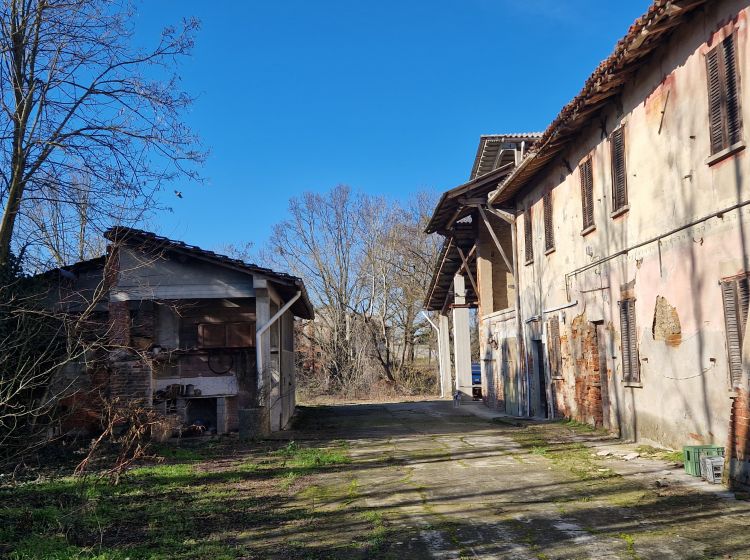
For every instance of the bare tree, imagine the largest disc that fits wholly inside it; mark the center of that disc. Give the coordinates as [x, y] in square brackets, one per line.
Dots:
[87, 133]
[367, 263]
[321, 242]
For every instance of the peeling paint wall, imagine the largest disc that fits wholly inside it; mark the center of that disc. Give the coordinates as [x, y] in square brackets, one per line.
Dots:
[671, 271]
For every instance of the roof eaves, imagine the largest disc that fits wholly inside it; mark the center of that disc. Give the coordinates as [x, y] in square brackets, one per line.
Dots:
[136, 237]
[612, 69]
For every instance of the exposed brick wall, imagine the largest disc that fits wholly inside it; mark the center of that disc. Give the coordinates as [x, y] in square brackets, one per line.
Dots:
[562, 410]
[738, 446]
[587, 391]
[130, 378]
[233, 421]
[119, 324]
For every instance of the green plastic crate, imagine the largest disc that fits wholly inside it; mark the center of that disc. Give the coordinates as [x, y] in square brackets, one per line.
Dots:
[692, 456]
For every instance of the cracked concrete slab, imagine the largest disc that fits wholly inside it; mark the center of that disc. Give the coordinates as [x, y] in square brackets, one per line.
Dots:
[454, 485]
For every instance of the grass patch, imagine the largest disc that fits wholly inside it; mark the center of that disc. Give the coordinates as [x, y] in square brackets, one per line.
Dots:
[573, 456]
[580, 427]
[668, 455]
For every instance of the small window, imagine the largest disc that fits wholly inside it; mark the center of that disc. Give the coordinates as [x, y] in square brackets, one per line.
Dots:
[629, 338]
[725, 122]
[587, 194]
[226, 335]
[553, 347]
[527, 235]
[619, 173]
[736, 296]
[549, 234]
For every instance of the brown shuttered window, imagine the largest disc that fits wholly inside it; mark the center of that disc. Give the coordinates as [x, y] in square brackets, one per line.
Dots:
[629, 337]
[527, 236]
[226, 335]
[736, 296]
[553, 345]
[549, 234]
[587, 193]
[619, 173]
[725, 122]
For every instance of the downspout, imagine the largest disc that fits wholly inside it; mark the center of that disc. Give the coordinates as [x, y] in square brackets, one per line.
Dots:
[259, 333]
[440, 354]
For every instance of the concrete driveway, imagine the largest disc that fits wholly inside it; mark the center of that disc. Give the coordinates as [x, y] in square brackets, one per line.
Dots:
[449, 483]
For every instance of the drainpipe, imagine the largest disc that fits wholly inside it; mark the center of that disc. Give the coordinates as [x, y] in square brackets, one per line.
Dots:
[440, 354]
[259, 333]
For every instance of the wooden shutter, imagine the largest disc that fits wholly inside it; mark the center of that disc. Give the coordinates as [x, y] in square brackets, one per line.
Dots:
[212, 335]
[724, 114]
[240, 335]
[629, 341]
[549, 235]
[715, 112]
[734, 123]
[587, 193]
[527, 235]
[619, 174]
[553, 344]
[733, 330]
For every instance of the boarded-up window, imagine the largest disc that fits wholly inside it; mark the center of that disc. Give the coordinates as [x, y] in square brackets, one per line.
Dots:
[226, 335]
[240, 335]
[553, 346]
[587, 194]
[549, 234]
[619, 173]
[212, 335]
[629, 338]
[527, 236]
[725, 122]
[736, 296]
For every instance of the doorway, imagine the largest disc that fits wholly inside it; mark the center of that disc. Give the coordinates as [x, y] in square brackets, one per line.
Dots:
[601, 345]
[541, 381]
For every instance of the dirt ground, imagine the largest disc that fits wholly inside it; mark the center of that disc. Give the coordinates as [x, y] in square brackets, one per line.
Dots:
[407, 480]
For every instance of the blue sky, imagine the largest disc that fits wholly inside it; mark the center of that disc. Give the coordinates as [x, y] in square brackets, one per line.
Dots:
[389, 97]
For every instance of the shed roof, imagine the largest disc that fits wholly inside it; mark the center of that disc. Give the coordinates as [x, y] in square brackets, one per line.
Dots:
[287, 283]
[497, 150]
[448, 263]
[494, 161]
[647, 33]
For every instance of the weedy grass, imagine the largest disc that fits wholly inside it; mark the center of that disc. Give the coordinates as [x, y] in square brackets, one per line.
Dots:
[181, 508]
[571, 455]
[659, 453]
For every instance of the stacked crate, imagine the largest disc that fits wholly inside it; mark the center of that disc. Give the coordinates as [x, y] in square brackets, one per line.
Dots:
[693, 454]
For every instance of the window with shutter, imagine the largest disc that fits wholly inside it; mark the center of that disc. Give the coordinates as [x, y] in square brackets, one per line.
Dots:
[549, 235]
[629, 338]
[587, 194]
[226, 335]
[724, 115]
[527, 235]
[619, 173]
[736, 297]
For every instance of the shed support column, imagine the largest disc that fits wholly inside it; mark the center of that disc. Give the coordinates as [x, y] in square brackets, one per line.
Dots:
[444, 351]
[461, 337]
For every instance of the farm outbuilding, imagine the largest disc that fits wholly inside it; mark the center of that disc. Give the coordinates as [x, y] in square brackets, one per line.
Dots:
[204, 339]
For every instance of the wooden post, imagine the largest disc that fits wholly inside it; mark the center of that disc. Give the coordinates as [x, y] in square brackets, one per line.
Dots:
[461, 337]
[444, 348]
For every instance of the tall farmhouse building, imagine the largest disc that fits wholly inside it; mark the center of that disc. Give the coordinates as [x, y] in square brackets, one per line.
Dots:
[612, 262]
